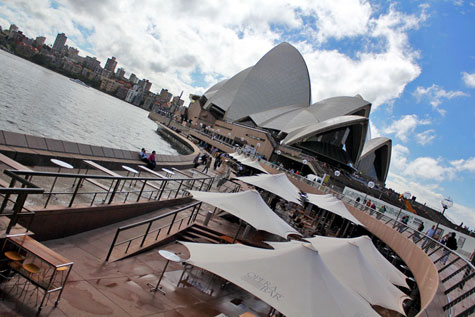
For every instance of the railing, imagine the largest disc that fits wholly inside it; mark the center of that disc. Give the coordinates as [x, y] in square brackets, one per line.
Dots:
[455, 272]
[111, 188]
[149, 231]
[21, 194]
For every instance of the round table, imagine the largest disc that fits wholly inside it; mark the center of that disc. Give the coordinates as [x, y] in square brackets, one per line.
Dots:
[61, 164]
[129, 170]
[168, 172]
[169, 256]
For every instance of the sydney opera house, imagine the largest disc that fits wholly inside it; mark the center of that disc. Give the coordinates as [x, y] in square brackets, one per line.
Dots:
[268, 107]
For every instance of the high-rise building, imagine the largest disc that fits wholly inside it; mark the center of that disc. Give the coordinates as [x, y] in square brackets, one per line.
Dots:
[40, 41]
[177, 101]
[61, 39]
[133, 79]
[12, 31]
[92, 63]
[145, 85]
[73, 52]
[13, 28]
[111, 64]
[165, 96]
[120, 73]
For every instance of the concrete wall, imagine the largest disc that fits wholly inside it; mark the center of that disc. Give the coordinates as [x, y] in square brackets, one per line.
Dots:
[60, 223]
[37, 151]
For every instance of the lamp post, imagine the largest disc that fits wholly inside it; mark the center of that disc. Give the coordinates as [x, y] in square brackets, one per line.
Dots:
[370, 185]
[406, 195]
[304, 162]
[446, 203]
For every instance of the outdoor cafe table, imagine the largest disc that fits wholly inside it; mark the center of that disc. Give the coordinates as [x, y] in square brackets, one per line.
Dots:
[129, 170]
[55, 264]
[168, 172]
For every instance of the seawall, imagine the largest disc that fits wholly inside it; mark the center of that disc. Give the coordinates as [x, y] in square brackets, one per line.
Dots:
[33, 150]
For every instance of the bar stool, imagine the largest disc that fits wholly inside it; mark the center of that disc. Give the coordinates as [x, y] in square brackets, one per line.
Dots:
[14, 256]
[62, 269]
[15, 262]
[31, 270]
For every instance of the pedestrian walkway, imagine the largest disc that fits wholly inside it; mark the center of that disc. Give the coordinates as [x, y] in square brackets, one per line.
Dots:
[120, 288]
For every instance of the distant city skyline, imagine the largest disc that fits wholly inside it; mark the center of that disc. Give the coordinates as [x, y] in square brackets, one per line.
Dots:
[414, 61]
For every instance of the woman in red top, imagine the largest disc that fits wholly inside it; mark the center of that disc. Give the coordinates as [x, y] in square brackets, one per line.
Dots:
[151, 161]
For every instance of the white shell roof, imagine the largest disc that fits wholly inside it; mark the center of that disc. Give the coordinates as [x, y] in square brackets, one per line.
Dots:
[280, 78]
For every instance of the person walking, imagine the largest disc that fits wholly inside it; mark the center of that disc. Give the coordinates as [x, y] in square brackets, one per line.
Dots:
[427, 242]
[417, 236]
[196, 161]
[451, 244]
[217, 161]
[208, 164]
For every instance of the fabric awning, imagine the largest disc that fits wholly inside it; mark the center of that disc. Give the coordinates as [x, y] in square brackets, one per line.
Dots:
[294, 280]
[250, 207]
[362, 276]
[254, 164]
[334, 205]
[277, 184]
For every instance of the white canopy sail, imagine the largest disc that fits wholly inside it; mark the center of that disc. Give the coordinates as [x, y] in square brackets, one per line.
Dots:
[277, 184]
[254, 164]
[250, 207]
[295, 280]
[334, 205]
[369, 251]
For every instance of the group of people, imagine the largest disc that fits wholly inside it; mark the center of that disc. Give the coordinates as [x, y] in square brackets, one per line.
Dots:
[150, 159]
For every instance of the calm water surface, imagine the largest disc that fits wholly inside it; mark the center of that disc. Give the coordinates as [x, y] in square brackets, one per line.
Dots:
[37, 101]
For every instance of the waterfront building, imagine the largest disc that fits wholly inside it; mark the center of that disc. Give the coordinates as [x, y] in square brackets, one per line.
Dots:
[60, 41]
[177, 101]
[111, 64]
[145, 85]
[12, 31]
[92, 63]
[133, 79]
[40, 41]
[268, 107]
[109, 85]
[132, 93]
[165, 96]
[122, 91]
[120, 73]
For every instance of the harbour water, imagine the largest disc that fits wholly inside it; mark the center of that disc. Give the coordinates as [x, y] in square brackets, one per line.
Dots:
[37, 101]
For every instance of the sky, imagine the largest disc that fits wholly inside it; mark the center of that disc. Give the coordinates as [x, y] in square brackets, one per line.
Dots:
[413, 60]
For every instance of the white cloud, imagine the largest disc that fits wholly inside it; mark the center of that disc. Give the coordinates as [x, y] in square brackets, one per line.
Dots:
[436, 94]
[464, 165]
[425, 137]
[170, 42]
[420, 168]
[469, 79]
[405, 126]
[373, 130]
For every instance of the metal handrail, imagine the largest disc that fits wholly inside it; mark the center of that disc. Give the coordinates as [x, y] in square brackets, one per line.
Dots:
[204, 183]
[465, 266]
[22, 194]
[149, 222]
[426, 244]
